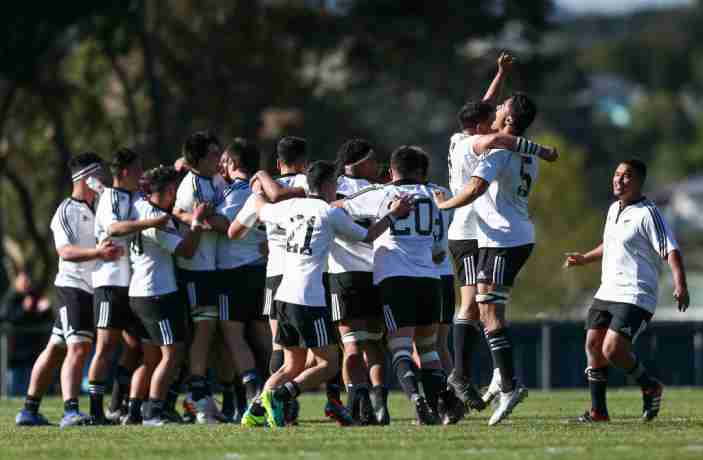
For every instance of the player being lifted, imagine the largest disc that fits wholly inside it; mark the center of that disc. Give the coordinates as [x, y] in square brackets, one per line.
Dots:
[505, 237]
[153, 291]
[636, 240]
[304, 321]
[73, 227]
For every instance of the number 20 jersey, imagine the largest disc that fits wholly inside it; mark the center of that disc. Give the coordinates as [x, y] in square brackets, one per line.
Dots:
[405, 249]
[502, 213]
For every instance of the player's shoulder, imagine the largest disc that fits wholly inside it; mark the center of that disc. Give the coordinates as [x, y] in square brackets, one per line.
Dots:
[348, 185]
[432, 186]
[370, 189]
[649, 210]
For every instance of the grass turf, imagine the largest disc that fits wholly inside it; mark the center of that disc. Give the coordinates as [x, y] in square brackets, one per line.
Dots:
[538, 429]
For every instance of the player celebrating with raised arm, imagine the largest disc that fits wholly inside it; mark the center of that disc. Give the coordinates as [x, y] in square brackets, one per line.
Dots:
[635, 241]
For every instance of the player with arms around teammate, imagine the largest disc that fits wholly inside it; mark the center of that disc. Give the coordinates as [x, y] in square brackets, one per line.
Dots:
[505, 238]
[73, 227]
[636, 240]
[153, 291]
[304, 321]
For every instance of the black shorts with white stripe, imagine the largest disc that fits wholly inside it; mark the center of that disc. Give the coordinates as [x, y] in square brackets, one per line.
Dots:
[410, 301]
[199, 286]
[464, 255]
[241, 292]
[626, 319]
[111, 308]
[353, 296]
[500, 266]
[300, 326]
[162, 319]
[272, 283]
[74, 319]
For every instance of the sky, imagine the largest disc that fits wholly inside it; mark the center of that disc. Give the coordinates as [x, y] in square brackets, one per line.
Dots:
[615, 6]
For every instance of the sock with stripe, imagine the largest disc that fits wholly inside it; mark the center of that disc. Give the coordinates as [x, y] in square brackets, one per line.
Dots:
[276, 361]
[598, 384]
[228, 397]
[96, 390]
[405, 370]
[134, 408]
[640, 375]
[287, 391]
[32, 403]
[465, 335]
[156, 408]
[252, 384]
[502, 352]
[120, 388]
[70, 405]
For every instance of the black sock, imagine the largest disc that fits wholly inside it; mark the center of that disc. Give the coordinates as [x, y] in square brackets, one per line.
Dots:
[434, 381]
[240, 396]
[256, 408]
[405, 370]
[252, 384]
[96, 390]
[465, 337]
[228, 396]
[598, 383]
[334, 387]
[276, 361]
[172, 396]
[199, 387]
[134, 409]
[120, 387]
[70, 405]
[287, 391]
[350, 397]
[156, 408]
[640, 375]
[502, 352]
[31, 404]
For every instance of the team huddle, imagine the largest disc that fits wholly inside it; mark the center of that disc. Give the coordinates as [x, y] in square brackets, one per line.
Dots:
[280, 285]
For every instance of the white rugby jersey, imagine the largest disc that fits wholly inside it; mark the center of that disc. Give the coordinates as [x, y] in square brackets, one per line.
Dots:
[151, 253]
[115, 205]
[444, 221]
[502, 213]
[237, 253]
[74, 224]
[405, 249]
[196, 188]
[310, 226]
[348, 256]
[462, 162]
[636, 240]
[275, 235]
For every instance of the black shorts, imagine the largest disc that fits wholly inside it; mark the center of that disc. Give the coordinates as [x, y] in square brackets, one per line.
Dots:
[241, 293]
[201, 290]
[353, 296]
[624, 318]
[446, 311]
[162, 318]
[272, 283]
[304, 327]
[500, 266]
[410, 301]
[465, 256]
[74, 318]
[111, 308]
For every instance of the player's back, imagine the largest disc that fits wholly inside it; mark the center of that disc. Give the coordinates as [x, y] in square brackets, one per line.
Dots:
[503, 211]
[115, 205]
[347, 256]
[193, 189]
[462, 161]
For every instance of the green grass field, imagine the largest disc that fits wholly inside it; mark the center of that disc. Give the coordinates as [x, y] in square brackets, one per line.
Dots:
[538, 429]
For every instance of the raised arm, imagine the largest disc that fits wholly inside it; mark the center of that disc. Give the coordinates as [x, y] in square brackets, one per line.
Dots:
[505, 64]
[679, 276]
[275, 191]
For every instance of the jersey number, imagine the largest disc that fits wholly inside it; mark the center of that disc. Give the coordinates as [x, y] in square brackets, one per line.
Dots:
[423, 213]
[302, 230]
[523, 189]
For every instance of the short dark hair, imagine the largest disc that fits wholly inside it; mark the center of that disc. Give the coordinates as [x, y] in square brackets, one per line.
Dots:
[320, 172]
[121, 159]
[523, 111]
[246, 151]
[291, 149]
[473, 113]
[197, 146]
[82, 160]
[157, 179]
[638, 166]
[409, 160]
[352, 151]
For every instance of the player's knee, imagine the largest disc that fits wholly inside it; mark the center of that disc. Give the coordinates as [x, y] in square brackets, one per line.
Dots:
[594, 346]
[79, 351]
[400, 343]
[352, 341]
[610, 349]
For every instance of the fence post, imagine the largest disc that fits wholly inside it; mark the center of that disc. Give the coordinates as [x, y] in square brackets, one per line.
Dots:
[546, 356]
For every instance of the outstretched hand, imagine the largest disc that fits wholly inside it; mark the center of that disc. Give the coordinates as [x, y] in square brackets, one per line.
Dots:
[505, 62]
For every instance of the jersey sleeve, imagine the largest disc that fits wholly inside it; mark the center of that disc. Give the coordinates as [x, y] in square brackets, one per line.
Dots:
[185, 196]
[492, 164]
[658, 233]
[64, 228]
[345, 227]
[366, 204]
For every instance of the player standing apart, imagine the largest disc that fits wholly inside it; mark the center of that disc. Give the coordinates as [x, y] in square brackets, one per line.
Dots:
[635, 241]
